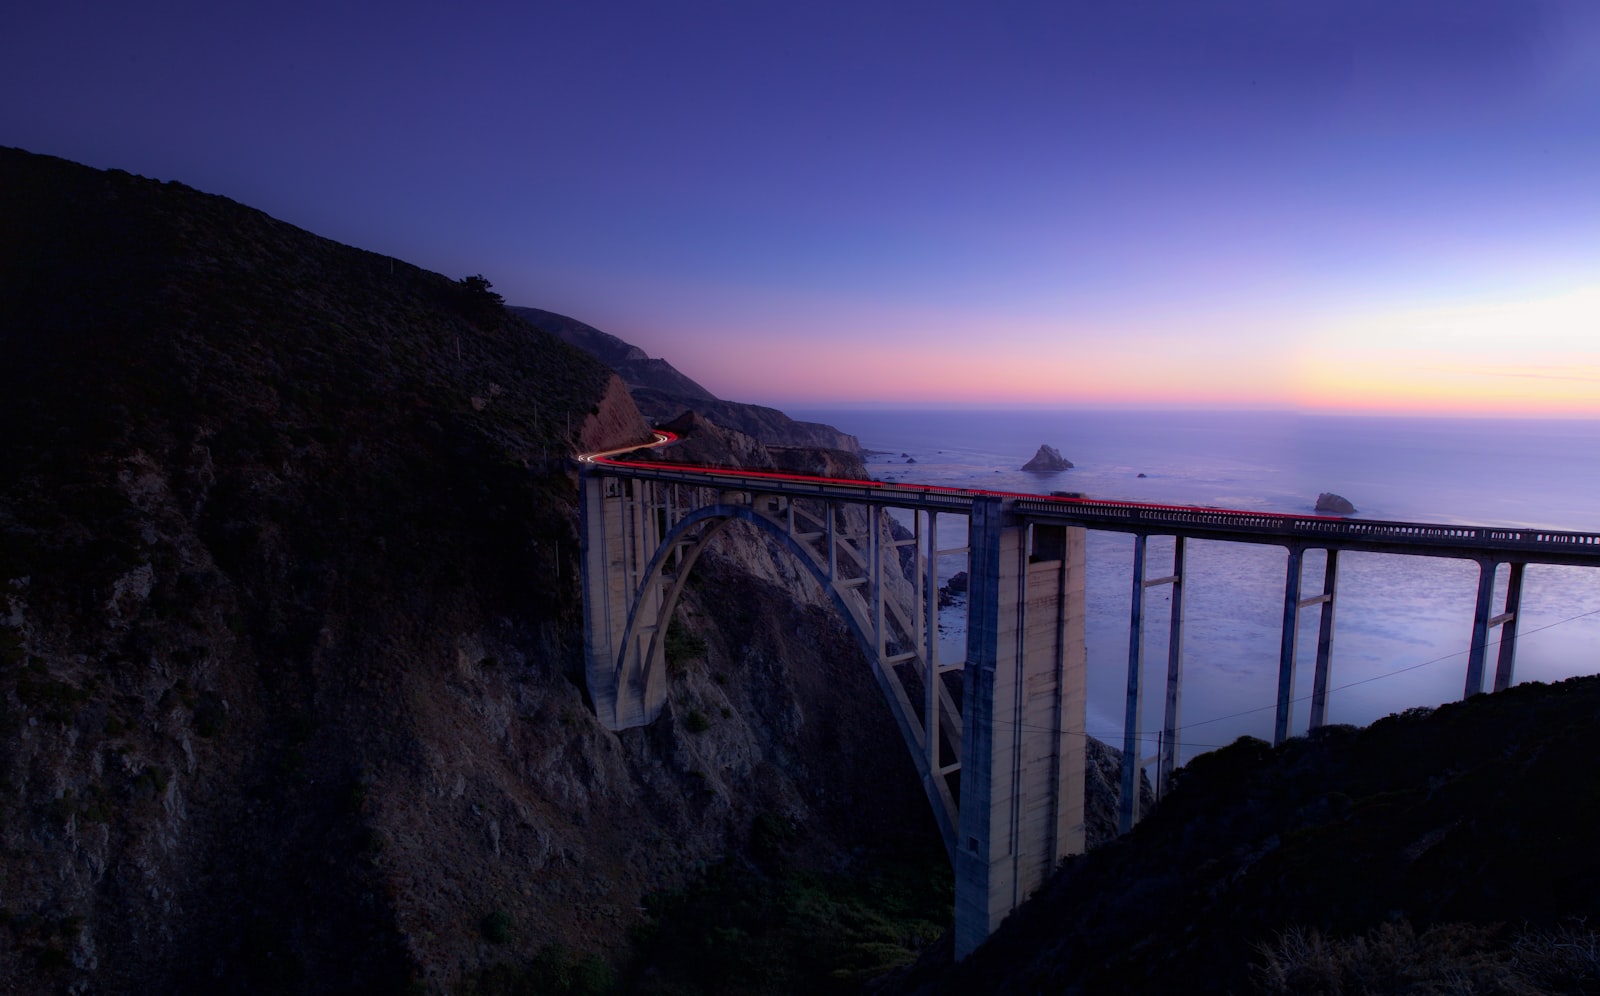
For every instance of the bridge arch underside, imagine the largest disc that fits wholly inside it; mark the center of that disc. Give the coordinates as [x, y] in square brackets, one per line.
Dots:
[850, 554]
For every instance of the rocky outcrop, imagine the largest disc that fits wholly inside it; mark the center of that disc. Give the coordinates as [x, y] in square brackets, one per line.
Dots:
[707, 444]
[1102, 793]
[951, 591]
[1047, 461]
[769, 425]
[614, 421]
[1329, 503]
[819, 462]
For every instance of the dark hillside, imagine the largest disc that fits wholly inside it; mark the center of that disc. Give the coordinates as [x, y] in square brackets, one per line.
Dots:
[630, 362]
[1436, 845]
[246, 476]
[290, 656]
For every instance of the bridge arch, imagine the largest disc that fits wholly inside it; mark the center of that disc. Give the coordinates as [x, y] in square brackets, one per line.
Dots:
[662, 583]
[1012, 733]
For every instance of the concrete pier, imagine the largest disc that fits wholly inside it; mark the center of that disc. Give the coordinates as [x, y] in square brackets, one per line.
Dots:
[1133, 760]
[1484, 624]
[1287, 660]
[1024, 704]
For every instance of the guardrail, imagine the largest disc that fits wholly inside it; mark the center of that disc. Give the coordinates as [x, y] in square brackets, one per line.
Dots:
[1427, 538]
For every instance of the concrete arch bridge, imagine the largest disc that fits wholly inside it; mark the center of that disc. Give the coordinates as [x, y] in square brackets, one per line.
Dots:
[998, 736]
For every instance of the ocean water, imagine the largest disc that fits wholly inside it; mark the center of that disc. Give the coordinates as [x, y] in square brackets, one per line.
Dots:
[1402, 625]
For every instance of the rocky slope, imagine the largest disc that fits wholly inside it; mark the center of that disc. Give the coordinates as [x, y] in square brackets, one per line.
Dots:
[290, 679]
[1444, 850]
[769, 425]
[663, 393]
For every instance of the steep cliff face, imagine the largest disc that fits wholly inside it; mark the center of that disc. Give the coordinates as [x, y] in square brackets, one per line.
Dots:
[820, 462]
[707, 444]
[613, 420]
[663, 393]
[289, 646]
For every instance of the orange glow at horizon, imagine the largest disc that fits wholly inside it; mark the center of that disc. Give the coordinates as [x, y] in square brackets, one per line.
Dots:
[1510, 393]
[1042, 377]
[1531, 357]
[1506, 357]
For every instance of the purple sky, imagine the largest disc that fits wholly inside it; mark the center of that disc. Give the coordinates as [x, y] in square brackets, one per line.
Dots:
[1326, 205]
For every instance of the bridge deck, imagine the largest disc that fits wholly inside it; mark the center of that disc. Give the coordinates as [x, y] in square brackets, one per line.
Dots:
[1532, 546]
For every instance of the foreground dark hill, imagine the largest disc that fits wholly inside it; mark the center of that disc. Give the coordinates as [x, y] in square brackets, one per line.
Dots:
[1448, 850]
[252, 482]
[290, 655]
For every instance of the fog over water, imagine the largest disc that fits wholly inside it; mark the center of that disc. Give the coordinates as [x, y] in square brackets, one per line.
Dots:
[1402, 625]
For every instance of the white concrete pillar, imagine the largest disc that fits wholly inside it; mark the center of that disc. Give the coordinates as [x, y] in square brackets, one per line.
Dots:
[1023, 716]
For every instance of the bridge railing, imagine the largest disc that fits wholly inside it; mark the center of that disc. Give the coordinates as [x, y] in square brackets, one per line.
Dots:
[1438, 539]
[1425, 538]
[770, 482]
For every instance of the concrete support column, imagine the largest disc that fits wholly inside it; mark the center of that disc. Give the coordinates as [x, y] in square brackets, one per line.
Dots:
[1166, 758]
[833, 541]
[1292, 604]
[1131, 740]
[1480, 628]
[928, 591]
[1507, 663]
[620, 534]
[1172, 720]
[1286, 654]
[875, 585]
[605, 602]
[1319, 682]
[1023, 708]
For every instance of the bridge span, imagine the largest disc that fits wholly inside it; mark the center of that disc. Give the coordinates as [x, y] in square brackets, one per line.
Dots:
[998, 737]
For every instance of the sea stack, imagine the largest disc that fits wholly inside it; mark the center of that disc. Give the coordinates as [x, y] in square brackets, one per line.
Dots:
[1333, 504]
[1047, 461]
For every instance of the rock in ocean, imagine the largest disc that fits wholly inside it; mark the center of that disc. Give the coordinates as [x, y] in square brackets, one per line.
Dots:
[1333, 504]
[1047, 461]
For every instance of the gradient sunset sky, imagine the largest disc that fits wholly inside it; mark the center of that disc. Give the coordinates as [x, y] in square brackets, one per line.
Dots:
[1311, 204]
